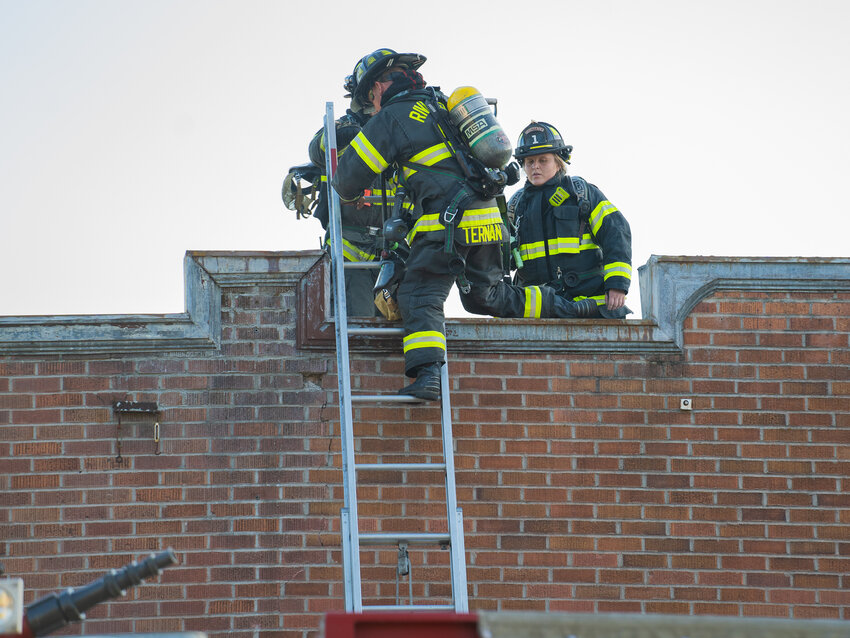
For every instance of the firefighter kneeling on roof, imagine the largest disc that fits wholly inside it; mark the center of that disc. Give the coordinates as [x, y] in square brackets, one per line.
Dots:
[456, 234]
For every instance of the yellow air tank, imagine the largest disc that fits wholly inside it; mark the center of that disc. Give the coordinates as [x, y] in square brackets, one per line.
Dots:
[478, 126]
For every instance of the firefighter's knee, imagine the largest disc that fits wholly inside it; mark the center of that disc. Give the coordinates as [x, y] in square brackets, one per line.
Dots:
[480, 300]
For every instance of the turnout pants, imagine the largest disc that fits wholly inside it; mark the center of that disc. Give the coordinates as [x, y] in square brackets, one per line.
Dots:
[427, 283]
[359, 298]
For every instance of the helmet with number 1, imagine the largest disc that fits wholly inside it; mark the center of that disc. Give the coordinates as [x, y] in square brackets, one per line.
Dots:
[369, 68]
[538, 138]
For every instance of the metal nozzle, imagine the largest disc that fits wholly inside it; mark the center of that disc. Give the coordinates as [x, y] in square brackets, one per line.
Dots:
[57, 610]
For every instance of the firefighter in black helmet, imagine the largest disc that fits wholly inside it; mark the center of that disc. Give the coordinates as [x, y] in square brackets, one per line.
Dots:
[570, 237]
[454, 234]
[362, 221]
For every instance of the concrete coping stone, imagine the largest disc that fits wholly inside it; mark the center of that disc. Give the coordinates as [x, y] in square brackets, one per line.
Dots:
[670, 288]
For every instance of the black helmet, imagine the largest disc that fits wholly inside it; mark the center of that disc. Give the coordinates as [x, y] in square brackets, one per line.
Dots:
[538, 138]
[367, 70]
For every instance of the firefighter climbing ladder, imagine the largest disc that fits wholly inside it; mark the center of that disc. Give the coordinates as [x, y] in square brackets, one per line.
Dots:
[352, 538]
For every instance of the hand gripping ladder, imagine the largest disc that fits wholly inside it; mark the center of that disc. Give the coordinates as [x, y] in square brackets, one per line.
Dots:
[352, 538]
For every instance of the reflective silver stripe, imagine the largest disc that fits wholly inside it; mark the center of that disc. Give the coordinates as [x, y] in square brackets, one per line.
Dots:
[471, 218]
[532, 251]
[430, 156]
[368, 153]
[602, 210]
[426, 339]
[587, 242]
[533, 302]
[480, 217]
[560, 245]
[618, 269]
[424, 224]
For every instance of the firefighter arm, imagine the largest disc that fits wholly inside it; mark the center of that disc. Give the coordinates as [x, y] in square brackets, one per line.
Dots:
[358, 167]
[346, 129]
[613, 235]
[351, 178]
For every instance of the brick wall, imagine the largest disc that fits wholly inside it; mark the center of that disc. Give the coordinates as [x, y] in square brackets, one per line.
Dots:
[583, 484]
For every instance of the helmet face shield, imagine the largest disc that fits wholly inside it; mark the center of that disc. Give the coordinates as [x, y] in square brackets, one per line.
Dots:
[369, 68]
[538, 138]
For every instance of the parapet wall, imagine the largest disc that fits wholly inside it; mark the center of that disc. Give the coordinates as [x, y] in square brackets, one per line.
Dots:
[584, 484]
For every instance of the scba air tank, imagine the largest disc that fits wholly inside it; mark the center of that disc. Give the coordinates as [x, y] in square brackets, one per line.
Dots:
[478, 126]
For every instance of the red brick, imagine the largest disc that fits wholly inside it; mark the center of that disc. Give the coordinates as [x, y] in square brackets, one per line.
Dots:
[592, 466]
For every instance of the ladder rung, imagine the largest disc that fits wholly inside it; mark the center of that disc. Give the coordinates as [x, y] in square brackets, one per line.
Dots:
[385, 398]
[411, 538]
[400, 466]
[358, 265]
[376, 331]
[406, 607]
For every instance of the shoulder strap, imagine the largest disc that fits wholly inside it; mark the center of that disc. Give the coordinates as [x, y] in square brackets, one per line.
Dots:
[513, 202]
[584, 204]
[579, 186]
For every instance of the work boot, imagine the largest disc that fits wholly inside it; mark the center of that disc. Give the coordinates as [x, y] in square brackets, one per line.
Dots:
[427, 384]
[566, 309]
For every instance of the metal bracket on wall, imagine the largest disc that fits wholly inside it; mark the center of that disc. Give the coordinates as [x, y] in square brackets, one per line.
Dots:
[136, 407]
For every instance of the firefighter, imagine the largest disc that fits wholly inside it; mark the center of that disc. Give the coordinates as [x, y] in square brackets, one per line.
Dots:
[454, 234]
[362, 222]
[569, 236]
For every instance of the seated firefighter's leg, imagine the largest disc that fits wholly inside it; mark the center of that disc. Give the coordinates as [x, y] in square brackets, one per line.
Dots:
[490, 294]
[421, 297]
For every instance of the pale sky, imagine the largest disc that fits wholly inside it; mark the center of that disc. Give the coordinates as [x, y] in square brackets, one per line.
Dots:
[135, 130]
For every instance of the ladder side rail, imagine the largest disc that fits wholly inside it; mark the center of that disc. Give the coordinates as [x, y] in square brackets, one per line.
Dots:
[349, 530]
[453, 513]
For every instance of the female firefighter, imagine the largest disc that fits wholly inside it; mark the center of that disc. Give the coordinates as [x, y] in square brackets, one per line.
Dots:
[569, 236]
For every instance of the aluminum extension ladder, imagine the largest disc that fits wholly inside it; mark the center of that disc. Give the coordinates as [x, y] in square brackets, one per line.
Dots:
[352, 538]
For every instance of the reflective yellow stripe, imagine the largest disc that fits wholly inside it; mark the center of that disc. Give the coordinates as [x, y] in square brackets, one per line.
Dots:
[618, 269]
[532, 251]
[432, 155]
[560, 245]
[599, 299]
[602, 210]
[471, 218]
[557, 246]
[533, 302]
[350, 252]
[480, 217]
[369, 153]
[424, 224]
[428, 157]
[587, 243]
[427, 339]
